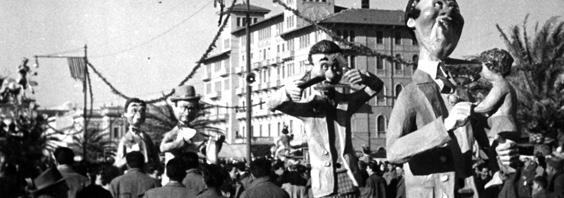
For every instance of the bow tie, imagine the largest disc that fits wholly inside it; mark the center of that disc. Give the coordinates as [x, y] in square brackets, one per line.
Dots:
[448, 85]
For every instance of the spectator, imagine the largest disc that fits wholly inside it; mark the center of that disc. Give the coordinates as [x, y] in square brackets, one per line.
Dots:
[539, 187]
[261, 187]
[400, 184]
[175, 171]
[106, 175]
[294, 182]
[555, 175]
[134, 182]
[50, 184]
[93, 190]
[214, 178]
[75, 181]
[375, 185]
[193, 180]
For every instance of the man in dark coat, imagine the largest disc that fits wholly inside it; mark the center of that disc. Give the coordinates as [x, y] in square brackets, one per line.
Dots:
[175, 171]
[555, 173]
[261, 186]
[375, 185]
[134, 182]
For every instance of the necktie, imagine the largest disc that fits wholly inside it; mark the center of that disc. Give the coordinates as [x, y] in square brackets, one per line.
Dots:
[448, 85]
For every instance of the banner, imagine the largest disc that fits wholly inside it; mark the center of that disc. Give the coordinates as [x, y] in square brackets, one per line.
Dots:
[77, 66]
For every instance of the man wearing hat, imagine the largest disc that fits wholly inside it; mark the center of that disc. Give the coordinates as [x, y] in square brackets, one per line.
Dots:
[183, 138]
[135, 139]
[49, 184]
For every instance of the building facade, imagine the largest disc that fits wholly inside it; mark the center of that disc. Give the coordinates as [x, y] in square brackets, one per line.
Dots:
[279, 49]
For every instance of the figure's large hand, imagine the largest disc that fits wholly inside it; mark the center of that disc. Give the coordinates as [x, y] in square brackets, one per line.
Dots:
[360, 77]
[355, 76]
[458, 115]
[507, 152]
[293, 91]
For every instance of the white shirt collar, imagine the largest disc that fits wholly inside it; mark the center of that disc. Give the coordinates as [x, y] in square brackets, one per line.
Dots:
[428, 66]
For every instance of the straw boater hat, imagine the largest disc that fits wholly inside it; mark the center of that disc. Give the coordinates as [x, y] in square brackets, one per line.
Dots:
[48, 178]
[184, 92]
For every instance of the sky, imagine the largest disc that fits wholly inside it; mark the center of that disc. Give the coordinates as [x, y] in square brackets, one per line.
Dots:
[146, 47]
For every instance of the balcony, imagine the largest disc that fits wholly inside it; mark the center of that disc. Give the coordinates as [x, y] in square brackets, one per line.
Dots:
[207, 77]
[288, 55]
[241, 90]
[224, 71]
[214, 95]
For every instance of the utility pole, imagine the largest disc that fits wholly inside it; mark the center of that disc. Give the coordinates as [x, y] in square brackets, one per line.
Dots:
[248, 79]
[393, 64]
[84, 117]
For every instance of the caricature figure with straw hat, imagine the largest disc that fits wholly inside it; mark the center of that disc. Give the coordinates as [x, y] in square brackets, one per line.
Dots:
[183, 138]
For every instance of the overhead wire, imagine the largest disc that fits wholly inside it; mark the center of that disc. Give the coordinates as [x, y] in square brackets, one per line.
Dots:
[77, 49]
[154, 37]
[211, 46]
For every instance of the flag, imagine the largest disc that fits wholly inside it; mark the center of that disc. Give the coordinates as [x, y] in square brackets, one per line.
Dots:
[77, 66]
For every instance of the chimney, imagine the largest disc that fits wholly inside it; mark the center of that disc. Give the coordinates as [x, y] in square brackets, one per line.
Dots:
[365, 4]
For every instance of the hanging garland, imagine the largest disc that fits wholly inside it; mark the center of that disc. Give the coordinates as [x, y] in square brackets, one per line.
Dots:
[211, 46]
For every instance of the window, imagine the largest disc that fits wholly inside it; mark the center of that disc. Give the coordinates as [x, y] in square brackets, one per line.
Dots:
[415, 60]
[413, 41]
[218, 86]
[398, 89]
[238, 21]
[397, 63]
[217, 66]
[381, 97]
[208, 88]
[397, 38]
[379, 63]
[269, 132]
[226, 84]
[381, 124]
[379, 37]
[255, 20]
[116, 132]
[226, 44]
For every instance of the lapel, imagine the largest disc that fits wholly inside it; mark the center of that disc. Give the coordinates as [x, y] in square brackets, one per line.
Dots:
[430, 90]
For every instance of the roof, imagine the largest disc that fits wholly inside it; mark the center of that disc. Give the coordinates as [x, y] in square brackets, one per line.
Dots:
[362, 17]
[216, 56]
[367, 16]
[272, 18]
[242, 7]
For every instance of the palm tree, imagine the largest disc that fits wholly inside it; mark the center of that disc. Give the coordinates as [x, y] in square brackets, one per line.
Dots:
[161, 119]
[539, 63]
[98, 144]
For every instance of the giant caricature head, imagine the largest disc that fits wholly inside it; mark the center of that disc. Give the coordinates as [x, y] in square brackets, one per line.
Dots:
[437, 25]
[327, 60]
[135, 111]
[186, 103]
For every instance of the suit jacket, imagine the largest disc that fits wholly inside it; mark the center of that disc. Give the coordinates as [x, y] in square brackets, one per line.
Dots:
[133, 141]
[75, 181]
[555, 186]
[314, 113]
[134, 183]
[375, 187]
[170, 190]
[417, 137]
[262, 188]
[194, 181]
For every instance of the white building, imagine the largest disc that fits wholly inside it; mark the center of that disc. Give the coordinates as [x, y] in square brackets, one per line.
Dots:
[280, 45]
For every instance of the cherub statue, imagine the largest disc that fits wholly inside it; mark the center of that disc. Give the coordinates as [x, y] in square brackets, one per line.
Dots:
[499, 104]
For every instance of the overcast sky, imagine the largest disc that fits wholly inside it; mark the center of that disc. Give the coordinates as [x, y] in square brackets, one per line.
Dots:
[145, 47]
